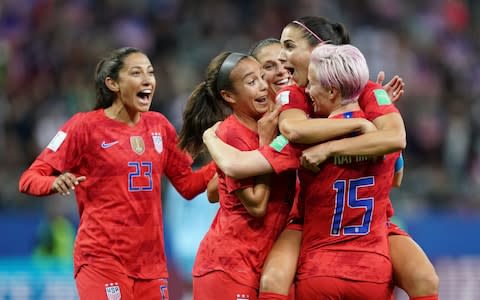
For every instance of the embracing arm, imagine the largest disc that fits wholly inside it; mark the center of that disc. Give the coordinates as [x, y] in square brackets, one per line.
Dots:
[233, 162]
[297, 128]
[389, 137]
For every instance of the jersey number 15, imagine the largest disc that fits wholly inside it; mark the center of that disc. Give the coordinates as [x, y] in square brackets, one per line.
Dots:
[347, 194]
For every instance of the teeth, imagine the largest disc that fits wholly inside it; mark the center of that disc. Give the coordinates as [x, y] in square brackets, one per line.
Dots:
[283, 81]
[146, 91]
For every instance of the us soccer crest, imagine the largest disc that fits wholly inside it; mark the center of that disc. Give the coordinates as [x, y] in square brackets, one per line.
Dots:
[113, 291]
[157, 142]
[138, 145]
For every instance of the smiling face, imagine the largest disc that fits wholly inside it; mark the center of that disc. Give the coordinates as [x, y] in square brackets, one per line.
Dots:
[273, 68]
[325, 100]
[249, 97]
[135, 85]
[296, 52]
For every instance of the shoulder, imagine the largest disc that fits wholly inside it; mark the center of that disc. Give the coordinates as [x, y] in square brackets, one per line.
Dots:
[156, 119]
[83, 119]
[370, 87]
[227, 126]
[290, 92]
[155, 116]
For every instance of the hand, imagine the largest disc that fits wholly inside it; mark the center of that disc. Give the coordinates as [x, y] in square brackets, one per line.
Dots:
[267, 126]
[210, 132]
[66, 182]
[312, 157]
[395, 88]
[367, 126]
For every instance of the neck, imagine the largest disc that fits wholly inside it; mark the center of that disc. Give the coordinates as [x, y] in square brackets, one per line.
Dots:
[120, 113]
[246, 120]
[345, 108]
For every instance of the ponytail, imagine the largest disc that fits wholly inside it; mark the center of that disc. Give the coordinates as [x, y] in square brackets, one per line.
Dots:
[202, 111]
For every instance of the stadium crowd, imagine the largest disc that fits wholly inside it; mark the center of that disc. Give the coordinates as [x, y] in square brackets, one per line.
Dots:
[48, 49]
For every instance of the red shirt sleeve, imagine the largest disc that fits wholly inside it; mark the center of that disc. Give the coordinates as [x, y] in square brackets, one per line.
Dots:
[179, 171]
[38, 179]
[281, 154]
[375, 102]
[293, 96]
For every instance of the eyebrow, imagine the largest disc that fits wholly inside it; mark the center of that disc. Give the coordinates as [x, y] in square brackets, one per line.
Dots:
[248, 74]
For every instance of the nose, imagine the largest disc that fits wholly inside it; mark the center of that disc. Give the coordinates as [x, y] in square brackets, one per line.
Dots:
[148, 79]
[263, 84]
[282, 56]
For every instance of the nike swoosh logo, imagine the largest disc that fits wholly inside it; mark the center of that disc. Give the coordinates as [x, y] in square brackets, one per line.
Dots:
[108, 145]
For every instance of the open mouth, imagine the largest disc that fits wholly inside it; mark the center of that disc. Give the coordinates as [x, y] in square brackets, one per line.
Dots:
[261, 100]
[283, 81]
[144, 96]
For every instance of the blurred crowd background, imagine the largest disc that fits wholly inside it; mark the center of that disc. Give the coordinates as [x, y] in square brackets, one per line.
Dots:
[48, 51]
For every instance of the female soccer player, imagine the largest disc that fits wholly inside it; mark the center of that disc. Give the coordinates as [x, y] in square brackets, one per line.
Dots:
[113, 158]
[250, 217]
[415, 274]
[274, 72]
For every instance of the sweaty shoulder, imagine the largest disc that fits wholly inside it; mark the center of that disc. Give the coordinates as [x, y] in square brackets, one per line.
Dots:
[375, 102]
[293, 96]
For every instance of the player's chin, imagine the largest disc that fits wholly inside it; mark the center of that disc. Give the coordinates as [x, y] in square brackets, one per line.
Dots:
[143, 107]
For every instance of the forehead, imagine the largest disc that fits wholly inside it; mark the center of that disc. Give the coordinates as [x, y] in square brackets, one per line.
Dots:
[269, 52]
[136, 59]
[292, 33]
[244, 67]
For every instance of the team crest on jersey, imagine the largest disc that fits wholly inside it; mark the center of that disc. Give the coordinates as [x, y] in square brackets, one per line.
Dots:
[113, 291]
[243, 297]
[283, 97]
[157, 142]
[137, 143]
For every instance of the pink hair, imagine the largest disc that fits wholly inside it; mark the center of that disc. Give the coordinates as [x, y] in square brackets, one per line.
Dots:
[343, 67]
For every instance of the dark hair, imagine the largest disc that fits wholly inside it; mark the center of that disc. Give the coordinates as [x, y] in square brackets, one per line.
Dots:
[261, 44]
[109, 66]
[333, 33]
[205, 106]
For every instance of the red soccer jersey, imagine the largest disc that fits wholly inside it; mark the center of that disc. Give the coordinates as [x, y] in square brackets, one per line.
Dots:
[238, 243]
[344, 208]
[119, 204]
[375, 102]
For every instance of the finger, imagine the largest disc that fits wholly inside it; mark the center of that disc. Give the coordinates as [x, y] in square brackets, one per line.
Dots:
[62, 187]
[81, 178]
[276, 110]
[70, 180]
[380, 77]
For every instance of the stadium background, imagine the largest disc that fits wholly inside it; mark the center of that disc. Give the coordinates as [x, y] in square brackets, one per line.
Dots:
[47, 54]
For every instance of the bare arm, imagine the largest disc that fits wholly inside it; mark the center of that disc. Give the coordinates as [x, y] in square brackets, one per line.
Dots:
[255, 198]
[297, 128]
[212, 189]
[389, 137]
[233, 162]
[397, 178]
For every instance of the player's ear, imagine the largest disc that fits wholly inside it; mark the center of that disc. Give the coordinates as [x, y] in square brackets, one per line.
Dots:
[112, 84]
[227, 96]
